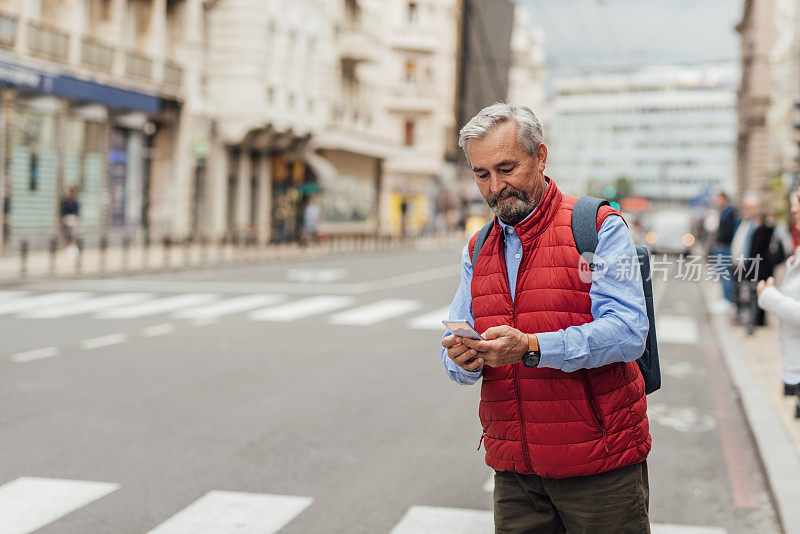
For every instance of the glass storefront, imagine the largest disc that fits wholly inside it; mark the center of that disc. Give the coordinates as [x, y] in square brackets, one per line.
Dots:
[83, 167]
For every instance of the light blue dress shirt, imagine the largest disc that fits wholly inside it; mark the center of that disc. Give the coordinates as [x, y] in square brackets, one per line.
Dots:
[619, 330]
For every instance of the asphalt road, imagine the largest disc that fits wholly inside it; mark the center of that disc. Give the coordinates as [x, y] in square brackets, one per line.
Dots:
[306, 396]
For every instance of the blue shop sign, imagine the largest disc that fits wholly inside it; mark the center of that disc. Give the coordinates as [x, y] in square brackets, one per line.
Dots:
[76, 89]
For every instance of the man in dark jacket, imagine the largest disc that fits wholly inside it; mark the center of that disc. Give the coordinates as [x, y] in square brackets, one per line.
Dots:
[720, 253]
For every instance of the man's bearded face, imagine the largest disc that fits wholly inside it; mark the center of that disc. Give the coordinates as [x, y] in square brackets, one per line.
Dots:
[511, 205]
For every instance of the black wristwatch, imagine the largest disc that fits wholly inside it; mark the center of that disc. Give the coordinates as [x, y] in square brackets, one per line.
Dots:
[531, 358]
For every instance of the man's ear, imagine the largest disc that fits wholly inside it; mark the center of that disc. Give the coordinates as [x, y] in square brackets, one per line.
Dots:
[541, 156]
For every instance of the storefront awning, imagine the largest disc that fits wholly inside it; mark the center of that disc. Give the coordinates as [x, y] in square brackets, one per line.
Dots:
[323, 169]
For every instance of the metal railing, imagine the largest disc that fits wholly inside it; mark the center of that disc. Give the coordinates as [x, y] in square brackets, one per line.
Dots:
[48, 41]
[97, 54]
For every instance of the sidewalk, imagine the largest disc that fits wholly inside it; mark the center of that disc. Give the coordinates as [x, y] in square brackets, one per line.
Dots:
[117, 260]
[755, 366]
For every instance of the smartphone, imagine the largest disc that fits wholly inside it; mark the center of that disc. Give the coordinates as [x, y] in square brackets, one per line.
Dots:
[462, 329]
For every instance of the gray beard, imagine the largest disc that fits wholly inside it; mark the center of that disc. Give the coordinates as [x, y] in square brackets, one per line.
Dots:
[513, 212]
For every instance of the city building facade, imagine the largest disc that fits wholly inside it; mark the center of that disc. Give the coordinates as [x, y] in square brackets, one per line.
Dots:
[670, 131]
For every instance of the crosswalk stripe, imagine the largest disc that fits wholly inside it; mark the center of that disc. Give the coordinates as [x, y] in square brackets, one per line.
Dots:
[158, 330]
[157, 306]
[35, 354]
[104, 341]
[229, 306]
[36, 301]
[302, 308]
[376, 312]
[87, 306]
[226, 512]
[28, 504]
[680, 329]
[432, 320]
[8, 295]
[436, 519]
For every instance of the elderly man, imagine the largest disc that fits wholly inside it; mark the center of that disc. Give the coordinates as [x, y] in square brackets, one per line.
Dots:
[563, 405]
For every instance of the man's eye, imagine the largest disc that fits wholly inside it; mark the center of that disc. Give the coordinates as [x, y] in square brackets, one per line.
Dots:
[483, 176]
[507, 170]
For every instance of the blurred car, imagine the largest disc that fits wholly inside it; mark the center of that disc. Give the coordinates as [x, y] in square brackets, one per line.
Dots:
[670, 232]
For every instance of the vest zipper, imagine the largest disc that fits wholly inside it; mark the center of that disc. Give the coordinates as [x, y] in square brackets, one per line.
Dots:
[598, 417]
[516, 382]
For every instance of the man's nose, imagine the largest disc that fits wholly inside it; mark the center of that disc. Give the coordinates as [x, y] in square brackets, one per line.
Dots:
[496, 183]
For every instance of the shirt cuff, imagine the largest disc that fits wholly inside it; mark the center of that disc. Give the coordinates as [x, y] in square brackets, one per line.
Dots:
[551, 349]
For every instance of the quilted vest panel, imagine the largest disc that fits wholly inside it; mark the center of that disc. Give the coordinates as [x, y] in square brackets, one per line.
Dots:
[540, 420]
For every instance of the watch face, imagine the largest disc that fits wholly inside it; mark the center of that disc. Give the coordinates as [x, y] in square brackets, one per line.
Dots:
[531, 359]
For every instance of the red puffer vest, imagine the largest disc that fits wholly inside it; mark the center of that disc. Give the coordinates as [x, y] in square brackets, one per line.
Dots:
[541, 420]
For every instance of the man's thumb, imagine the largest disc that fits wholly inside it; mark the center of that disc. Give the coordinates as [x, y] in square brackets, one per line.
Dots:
[493, 332]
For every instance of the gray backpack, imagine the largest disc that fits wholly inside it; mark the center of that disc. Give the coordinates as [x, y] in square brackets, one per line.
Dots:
[584, 232]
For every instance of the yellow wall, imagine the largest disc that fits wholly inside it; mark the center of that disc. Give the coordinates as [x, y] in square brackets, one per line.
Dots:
[416, 214]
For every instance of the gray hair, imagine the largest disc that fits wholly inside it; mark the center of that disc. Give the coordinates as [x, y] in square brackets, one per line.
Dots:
[529, 129]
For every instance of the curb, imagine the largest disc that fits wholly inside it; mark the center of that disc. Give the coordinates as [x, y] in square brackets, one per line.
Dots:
[780, 458]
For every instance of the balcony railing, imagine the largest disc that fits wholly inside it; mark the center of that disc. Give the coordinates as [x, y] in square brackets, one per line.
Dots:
[47, 41]
[138, 65]
[96, 54]
[8, 30]
[173, 74]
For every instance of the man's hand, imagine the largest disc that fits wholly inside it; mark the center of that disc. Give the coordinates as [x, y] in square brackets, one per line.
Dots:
[503, 346]
[763, 285]
[461, 355]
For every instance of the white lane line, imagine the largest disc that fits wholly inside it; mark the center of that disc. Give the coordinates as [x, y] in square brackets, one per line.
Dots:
[227, 512]
[8, 295]
[37, 301]
[677, 329]
[87, 306]
[205, 321]
[28, 504]
[302, 308]
[157, 306]
[432, 320]
[229, 306]
[104, 341]
[437, 519]
[375, 313]
[158, 330]
[35, 354]
[665, 528]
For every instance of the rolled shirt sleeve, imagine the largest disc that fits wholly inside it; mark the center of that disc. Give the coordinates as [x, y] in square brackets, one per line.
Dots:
[618, 332]
[461, 310]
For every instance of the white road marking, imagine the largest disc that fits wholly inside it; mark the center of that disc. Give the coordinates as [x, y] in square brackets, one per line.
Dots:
[157, 306]
[229, 512]
[40, 301]
[87, 306]
[205, 321]
[8, 295]
[35, 354]
[684, 529]
[376, 312]
[104, 341]
[436, 519]
[28, 504]
[158, 330]
[679, 369]
[677, 329]
[315, 275]
[229, 306]
[299, 309]
[432, 320]
[683, 419]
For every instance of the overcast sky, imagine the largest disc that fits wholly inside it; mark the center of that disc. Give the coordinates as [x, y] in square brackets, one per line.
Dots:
[590, 35]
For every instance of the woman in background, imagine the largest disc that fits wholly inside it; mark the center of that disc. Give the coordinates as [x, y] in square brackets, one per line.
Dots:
[785, 304]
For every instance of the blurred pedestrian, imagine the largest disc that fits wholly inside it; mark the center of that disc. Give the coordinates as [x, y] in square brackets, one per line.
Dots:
[311, 216]
[70, 219]
[720, 250]
[785, 304]
[743, 264]
[563, 405]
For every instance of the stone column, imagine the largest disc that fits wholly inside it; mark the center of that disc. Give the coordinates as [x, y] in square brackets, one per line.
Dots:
[243, 192]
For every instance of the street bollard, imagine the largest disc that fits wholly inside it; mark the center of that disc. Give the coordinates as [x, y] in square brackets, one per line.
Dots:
[23, 249]
[187, 251]
[203, 250]
[103, 251]
[126, 246]
[221, 249]
[53, 249]
[167, 250]
[146, 250]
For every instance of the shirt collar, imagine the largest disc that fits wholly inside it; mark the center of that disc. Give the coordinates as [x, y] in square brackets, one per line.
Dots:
[506, 226]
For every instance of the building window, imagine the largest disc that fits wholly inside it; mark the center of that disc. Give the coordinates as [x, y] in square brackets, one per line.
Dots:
[408, 138]
[412, 14]
[410, 72]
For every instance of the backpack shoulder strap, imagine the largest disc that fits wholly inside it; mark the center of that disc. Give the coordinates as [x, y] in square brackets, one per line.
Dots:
[483, 233]
[584, 223]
